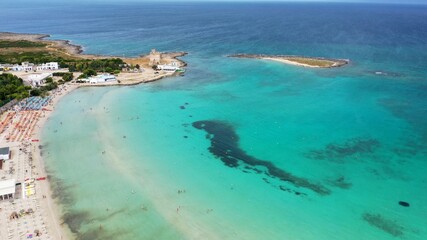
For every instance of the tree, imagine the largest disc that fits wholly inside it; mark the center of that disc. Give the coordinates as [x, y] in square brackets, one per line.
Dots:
[108, 69]
[68, 77]
[82, 76]
[35, 92]
[12, 87]
[89, 72]
[49, 80]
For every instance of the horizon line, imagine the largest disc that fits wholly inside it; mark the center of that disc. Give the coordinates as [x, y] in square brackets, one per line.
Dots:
[417, 2]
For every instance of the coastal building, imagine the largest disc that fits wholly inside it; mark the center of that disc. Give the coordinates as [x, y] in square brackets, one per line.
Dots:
[173, 67]
[102, 79]
[16, 68]
[38, 79]
[26, 66]
[5, 153]
[155, 57]
[48, 66]
[7, 189]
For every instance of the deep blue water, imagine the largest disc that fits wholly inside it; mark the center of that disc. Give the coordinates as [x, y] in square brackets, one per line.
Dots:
[291, 153]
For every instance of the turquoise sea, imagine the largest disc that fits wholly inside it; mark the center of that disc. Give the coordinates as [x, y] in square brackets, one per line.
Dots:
[240, 148]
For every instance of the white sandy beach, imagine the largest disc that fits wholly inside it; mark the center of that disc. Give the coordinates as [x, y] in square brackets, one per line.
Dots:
[46, 216]
[285, 61]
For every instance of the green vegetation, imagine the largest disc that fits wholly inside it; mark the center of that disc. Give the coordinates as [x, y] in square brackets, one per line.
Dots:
[35, 52]
[12, 87]
[74, 65]
[66, 76]
[49, 80]
[43, 90]
[33, 57]
[35, 92]
[98, 65]
[47, 87]
[87, 73]
[20, 44]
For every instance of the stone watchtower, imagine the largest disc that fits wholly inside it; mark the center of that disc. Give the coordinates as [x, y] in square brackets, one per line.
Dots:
[155, 57]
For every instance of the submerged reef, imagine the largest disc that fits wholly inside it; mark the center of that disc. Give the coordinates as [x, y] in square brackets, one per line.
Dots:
[387, 225]
[349, 148]
[76, 220]
[225, 146]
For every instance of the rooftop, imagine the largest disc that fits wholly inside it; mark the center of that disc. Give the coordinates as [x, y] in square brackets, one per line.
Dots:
[7, 186]
[4, 150]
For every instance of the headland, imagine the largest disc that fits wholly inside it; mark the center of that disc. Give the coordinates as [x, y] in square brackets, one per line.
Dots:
[140, 69]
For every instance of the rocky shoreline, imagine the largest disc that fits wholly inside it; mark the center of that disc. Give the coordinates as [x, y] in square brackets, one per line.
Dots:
[66, 49]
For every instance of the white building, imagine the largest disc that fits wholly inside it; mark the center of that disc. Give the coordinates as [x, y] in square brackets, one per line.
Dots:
[48, 66]
[174, 66]
[93, 80]
[102, 78]
[38, 79]
[4, 153]
[26, 66]
[17, 68]
[7, 189]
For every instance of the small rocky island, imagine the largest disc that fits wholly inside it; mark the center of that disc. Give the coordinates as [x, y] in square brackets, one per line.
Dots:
[315, 62]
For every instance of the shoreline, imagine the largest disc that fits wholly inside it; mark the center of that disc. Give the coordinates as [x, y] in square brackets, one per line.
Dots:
[73, 51]
[66, 45]
[28, 163]
[54, 208]
[50, 206]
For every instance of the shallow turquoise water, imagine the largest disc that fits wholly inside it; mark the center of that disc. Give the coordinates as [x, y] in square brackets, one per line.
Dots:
[342, 133]
[292, 153]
